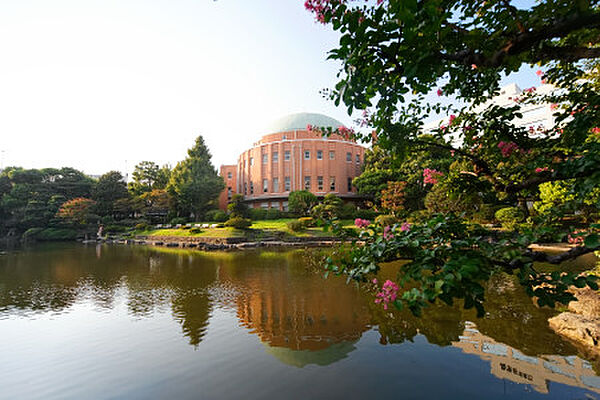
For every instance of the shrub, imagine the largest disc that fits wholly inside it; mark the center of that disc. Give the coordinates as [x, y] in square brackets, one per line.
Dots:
[273, 213]
[365, 213]
[195, 230]
[419, 216]
[178, 220]
[257, 213]
[216, 216]
[485, 214]
[348, 211]
[115, 228]
[52, 234]
[510, 217]
[296, 226]
[237, 207]
[386, 220]
[142, 226]
[301, 201]
[329, 208]
[307, 221]
[32, 233]
[239, 223]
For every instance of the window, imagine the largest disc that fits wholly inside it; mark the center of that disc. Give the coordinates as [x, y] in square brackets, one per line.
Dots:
[251, 160]
[349, 157]
[275, 156]
[320, 183]
[287, 184]
[358, 158]
[265, 158]
[265, 205]
[286, 155]
[307, 154]
[229, 193]
[265, 185]
[307, 183]
[319, 154]
[251, 187]
[332, 183]
[284, 137]
[285, 206]
[349, 184]
[229, 175]
[245, 188]
[275, 185]
[332, 155]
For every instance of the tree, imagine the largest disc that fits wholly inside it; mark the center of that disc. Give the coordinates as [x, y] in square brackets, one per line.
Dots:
[77, 211]
[329, 208]
[392, 198]
[148, 176]
[236, 207]
[301, 201]
[394, 53]
[194, 183]
[111, 187]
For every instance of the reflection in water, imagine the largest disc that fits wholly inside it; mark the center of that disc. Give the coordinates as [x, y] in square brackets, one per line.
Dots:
[509, 363]
[299, 318]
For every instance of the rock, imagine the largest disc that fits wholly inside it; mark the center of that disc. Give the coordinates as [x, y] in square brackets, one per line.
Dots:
[580, 329]
[587, 304]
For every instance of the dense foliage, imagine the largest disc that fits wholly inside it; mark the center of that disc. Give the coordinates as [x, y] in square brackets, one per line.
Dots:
[398, 55]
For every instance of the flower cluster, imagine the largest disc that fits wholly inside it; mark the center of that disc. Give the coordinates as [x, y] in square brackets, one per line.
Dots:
[575, 237]
[430, 176]
[387, 294]
[405, 227]
[362, 223]
[596, 131]
[507, 148]
[321, 7]
[346, 133]
[540, 170]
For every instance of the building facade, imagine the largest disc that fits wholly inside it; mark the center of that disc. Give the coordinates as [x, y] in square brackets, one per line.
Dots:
[290, 157]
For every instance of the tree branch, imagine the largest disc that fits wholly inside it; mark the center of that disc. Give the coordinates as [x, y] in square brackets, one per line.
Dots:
[559, 258]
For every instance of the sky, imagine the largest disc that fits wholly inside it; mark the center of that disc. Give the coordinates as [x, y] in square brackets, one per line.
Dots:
[101, 85]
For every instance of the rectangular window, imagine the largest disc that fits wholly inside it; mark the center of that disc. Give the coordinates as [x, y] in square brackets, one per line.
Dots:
[229, 193]
[265, 158]
[264, 206]
[275, 185]
[307, 154]
[319, 154]
[332, 183]
[287, 184]
[332, 155]
[251, 160]
[349, 184]
[275, 156]
[320, 183]
[349, 157]
[229, 175]
[245, 188]
[358, 158]
[307, 183]
[265, 185]
[286, 155]
[285, 206]
[251, 187]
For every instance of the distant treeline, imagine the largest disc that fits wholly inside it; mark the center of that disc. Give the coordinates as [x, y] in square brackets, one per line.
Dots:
[61, 204]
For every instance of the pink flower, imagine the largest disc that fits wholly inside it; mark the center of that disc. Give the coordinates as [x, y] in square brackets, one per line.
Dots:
[507, 148]
[539, 170]
[309, 127]
[473, 66]
[375, 281]
[596, 130]
[387, 294]
[553, 106]
[539, 72]
[452, 118]
[439, 92]
[405, 227]
[387, 233]
[362, 223]
[430, 176]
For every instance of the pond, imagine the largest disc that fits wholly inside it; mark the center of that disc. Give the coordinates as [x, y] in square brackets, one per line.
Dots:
[105, 322]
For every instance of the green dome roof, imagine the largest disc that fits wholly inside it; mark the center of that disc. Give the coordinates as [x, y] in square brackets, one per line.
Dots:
[300, 121]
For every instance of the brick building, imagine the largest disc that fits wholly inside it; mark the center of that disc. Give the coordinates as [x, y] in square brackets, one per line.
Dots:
[289, 157]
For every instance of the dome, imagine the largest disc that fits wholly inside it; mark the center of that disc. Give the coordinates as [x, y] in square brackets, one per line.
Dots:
[300, 121]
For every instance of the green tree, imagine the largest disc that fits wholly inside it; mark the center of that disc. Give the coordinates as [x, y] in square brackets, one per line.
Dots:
[194, 183]
[301, 201]
[236, 207]
[110, 188]
[329, 208]
[148, 176]
[395, 53]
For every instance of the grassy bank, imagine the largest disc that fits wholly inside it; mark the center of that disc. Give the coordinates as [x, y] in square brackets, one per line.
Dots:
[258, 229]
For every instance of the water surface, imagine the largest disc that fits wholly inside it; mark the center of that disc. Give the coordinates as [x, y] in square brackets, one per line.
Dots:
[104, 322]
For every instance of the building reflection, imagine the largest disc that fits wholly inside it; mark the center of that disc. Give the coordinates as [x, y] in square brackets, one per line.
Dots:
[509, 363]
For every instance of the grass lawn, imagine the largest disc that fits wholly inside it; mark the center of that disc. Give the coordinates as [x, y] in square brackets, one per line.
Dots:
[262, 228]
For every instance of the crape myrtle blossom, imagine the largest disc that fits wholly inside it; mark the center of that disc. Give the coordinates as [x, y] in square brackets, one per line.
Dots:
[430, 176]
[362, 223]
[321, 7]
[507, 148]
[388, 293]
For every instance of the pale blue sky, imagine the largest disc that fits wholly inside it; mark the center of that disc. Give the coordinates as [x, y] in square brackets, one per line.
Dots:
[92, 83]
